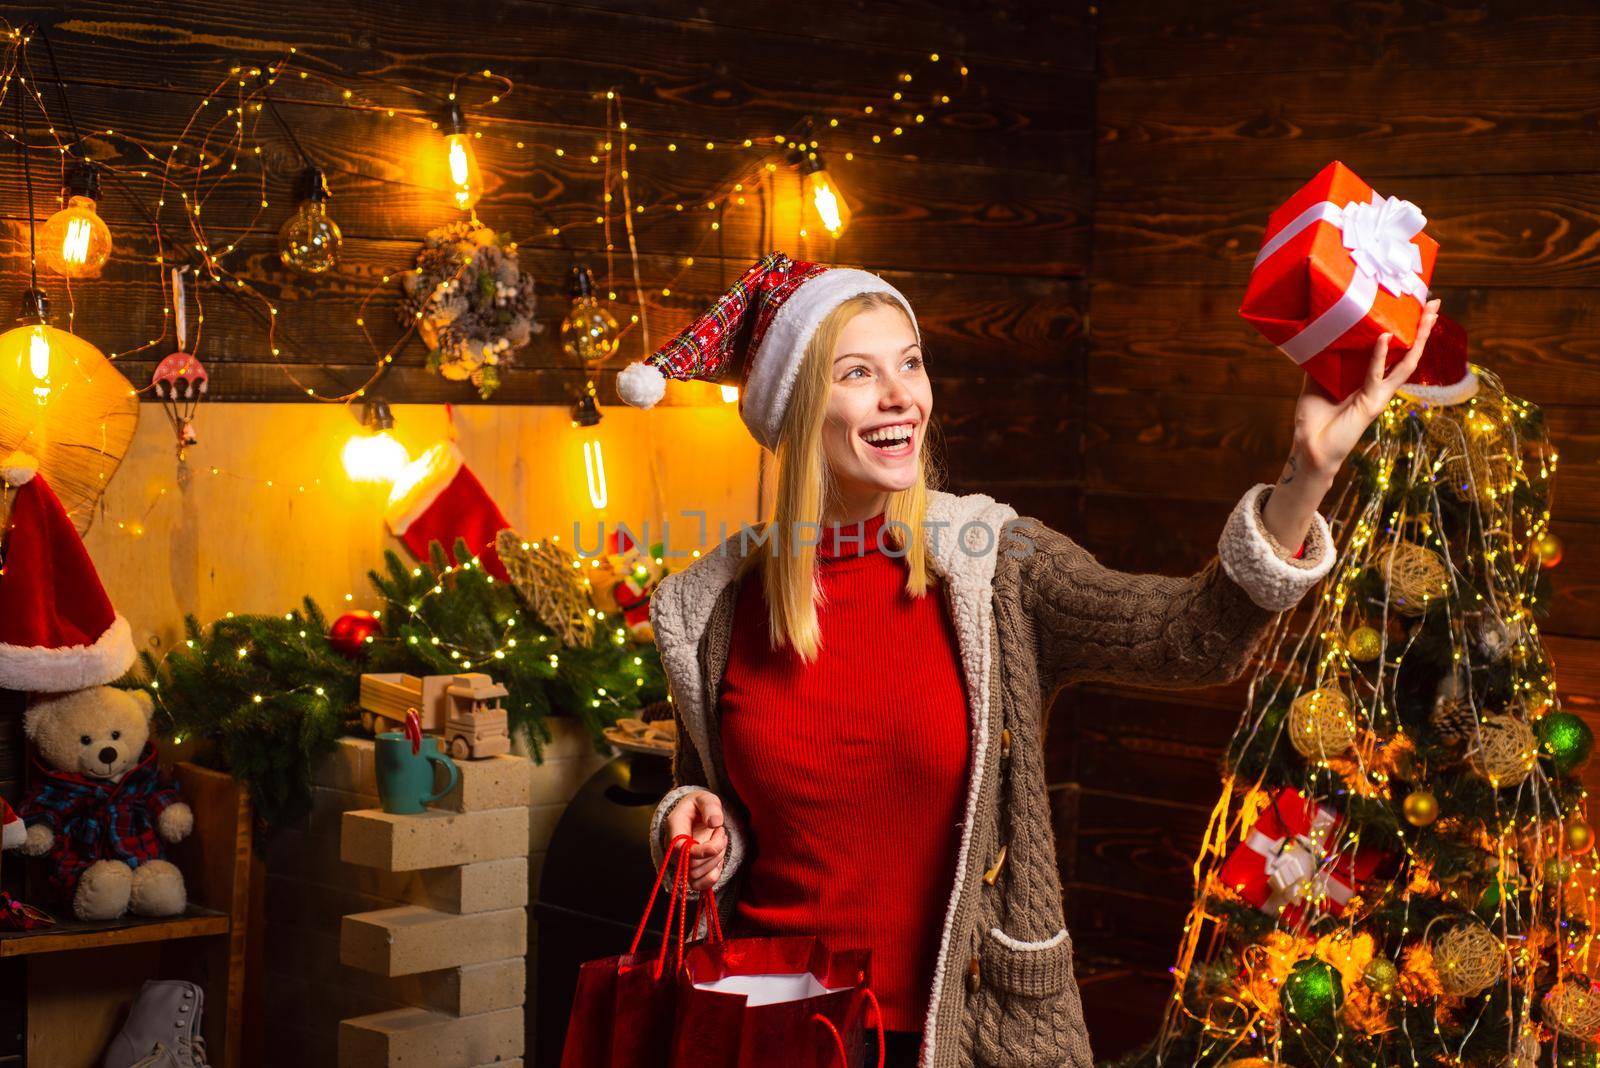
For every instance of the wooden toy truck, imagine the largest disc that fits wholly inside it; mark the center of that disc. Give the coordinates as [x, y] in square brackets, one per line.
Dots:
[465, 709]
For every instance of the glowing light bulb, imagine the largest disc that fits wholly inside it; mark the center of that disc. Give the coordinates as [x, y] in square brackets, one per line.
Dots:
[38, 360]
[373, 454]
[588, 333]
[75, 242]
[309, 240]
[730, 394]
[466, 181]
[822, 192]
[587, 414]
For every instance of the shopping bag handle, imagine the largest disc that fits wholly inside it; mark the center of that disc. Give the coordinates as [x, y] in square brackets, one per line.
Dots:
[677, 905]
[838, 1039]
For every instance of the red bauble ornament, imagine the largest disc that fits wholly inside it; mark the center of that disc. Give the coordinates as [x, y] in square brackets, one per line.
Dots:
[350, 632]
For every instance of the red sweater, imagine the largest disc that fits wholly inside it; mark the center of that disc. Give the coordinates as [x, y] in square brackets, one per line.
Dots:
[853, 768]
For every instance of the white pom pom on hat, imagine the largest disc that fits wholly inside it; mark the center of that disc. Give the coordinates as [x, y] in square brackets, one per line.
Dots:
[641, 385]
[759, 328]
[18, 469]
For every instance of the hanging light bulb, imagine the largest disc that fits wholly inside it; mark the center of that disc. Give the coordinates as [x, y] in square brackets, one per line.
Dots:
[309, 240]
[821, 192]
[372, 454]
[588, 333]
[75, 242]
[587, 414]
[40, 358]
[466, 181]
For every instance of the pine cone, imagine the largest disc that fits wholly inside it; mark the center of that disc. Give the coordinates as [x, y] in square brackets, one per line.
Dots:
[1452, 717]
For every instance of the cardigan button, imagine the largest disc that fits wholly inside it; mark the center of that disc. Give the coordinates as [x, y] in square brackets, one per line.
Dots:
[1005, 744]
[972, 975]
[993, 874]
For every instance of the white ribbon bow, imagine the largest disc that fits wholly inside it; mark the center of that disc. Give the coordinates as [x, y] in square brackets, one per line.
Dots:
[1295, 865]
[1378, 235]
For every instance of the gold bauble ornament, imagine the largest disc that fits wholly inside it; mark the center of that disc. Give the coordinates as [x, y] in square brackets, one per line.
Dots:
[1468, 959]
[1381, 974]
[1550, 550]
[1416, 576]
[1573, 1007]
[1421, 808]
[1503, 751]
[1579, 836]
[1320, 724]
[1364, 644]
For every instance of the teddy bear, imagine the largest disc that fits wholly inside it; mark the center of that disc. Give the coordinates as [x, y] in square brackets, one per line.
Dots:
[100, 807]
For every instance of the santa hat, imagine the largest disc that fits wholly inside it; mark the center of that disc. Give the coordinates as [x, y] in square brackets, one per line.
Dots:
[12, 830]
[759, 328]
[1443, 375]
[58, 630]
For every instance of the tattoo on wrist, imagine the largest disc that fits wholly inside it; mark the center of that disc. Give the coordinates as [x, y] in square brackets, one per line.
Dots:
[1290, 468]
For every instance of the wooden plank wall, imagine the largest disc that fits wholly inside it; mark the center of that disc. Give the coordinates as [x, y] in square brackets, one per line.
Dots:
[980, 213]
[1208, 116]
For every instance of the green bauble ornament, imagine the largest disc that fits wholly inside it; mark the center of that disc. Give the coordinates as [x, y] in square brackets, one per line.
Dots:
[1566, 739]
[1312, 993]
[1381, 974]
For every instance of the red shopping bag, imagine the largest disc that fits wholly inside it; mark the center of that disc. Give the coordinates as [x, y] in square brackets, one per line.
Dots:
[760, 1002]
[622, 1010]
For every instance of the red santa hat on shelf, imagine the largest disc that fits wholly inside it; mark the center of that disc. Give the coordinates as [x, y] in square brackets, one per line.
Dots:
[58, 630]
[759, 329]
[12, 830]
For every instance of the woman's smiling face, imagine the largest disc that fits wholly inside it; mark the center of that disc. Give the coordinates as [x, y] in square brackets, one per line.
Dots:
[879, 404]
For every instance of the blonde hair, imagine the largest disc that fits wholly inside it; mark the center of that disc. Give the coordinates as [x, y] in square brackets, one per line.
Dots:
[805, 487]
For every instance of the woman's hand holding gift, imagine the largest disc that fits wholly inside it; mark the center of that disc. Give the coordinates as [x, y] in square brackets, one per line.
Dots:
[1326, 431]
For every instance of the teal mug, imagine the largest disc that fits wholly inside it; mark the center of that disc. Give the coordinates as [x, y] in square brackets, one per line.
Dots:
[405, 779]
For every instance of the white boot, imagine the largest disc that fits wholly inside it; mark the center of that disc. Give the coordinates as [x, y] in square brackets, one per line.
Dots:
[163, 1029]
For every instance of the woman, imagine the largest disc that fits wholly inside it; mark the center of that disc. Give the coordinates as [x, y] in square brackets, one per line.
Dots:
[859, 690]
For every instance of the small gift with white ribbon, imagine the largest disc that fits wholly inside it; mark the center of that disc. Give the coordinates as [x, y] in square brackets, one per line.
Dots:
[1339, 266]
[1296, 858]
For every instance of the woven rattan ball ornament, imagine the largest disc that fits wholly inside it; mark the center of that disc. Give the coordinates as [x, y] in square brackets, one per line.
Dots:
[1573, 1008]
[1417, 577]
[1472, 441]
[1468, 960]
[1503, 750]
[1320, 724]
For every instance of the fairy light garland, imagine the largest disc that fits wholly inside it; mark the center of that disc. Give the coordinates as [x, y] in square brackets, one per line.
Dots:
[228, 140]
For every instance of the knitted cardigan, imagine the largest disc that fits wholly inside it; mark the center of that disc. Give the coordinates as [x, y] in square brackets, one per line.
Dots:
[1032, 612]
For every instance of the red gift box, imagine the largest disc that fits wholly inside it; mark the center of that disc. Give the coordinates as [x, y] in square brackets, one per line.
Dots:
[1340, 265]
[1297, 856]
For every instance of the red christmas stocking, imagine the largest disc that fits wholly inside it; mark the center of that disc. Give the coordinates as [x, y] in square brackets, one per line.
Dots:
[438, 498]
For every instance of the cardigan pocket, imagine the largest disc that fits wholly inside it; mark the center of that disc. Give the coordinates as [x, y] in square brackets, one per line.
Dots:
[1026, 1004]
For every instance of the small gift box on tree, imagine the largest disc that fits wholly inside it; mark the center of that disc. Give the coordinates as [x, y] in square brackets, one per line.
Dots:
[1297, 857]
[1339, 266]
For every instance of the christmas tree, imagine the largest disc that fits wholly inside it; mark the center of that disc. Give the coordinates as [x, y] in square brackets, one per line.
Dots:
[1398, 869]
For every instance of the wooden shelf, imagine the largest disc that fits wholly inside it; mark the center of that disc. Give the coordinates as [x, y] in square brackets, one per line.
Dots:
[76, 934]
